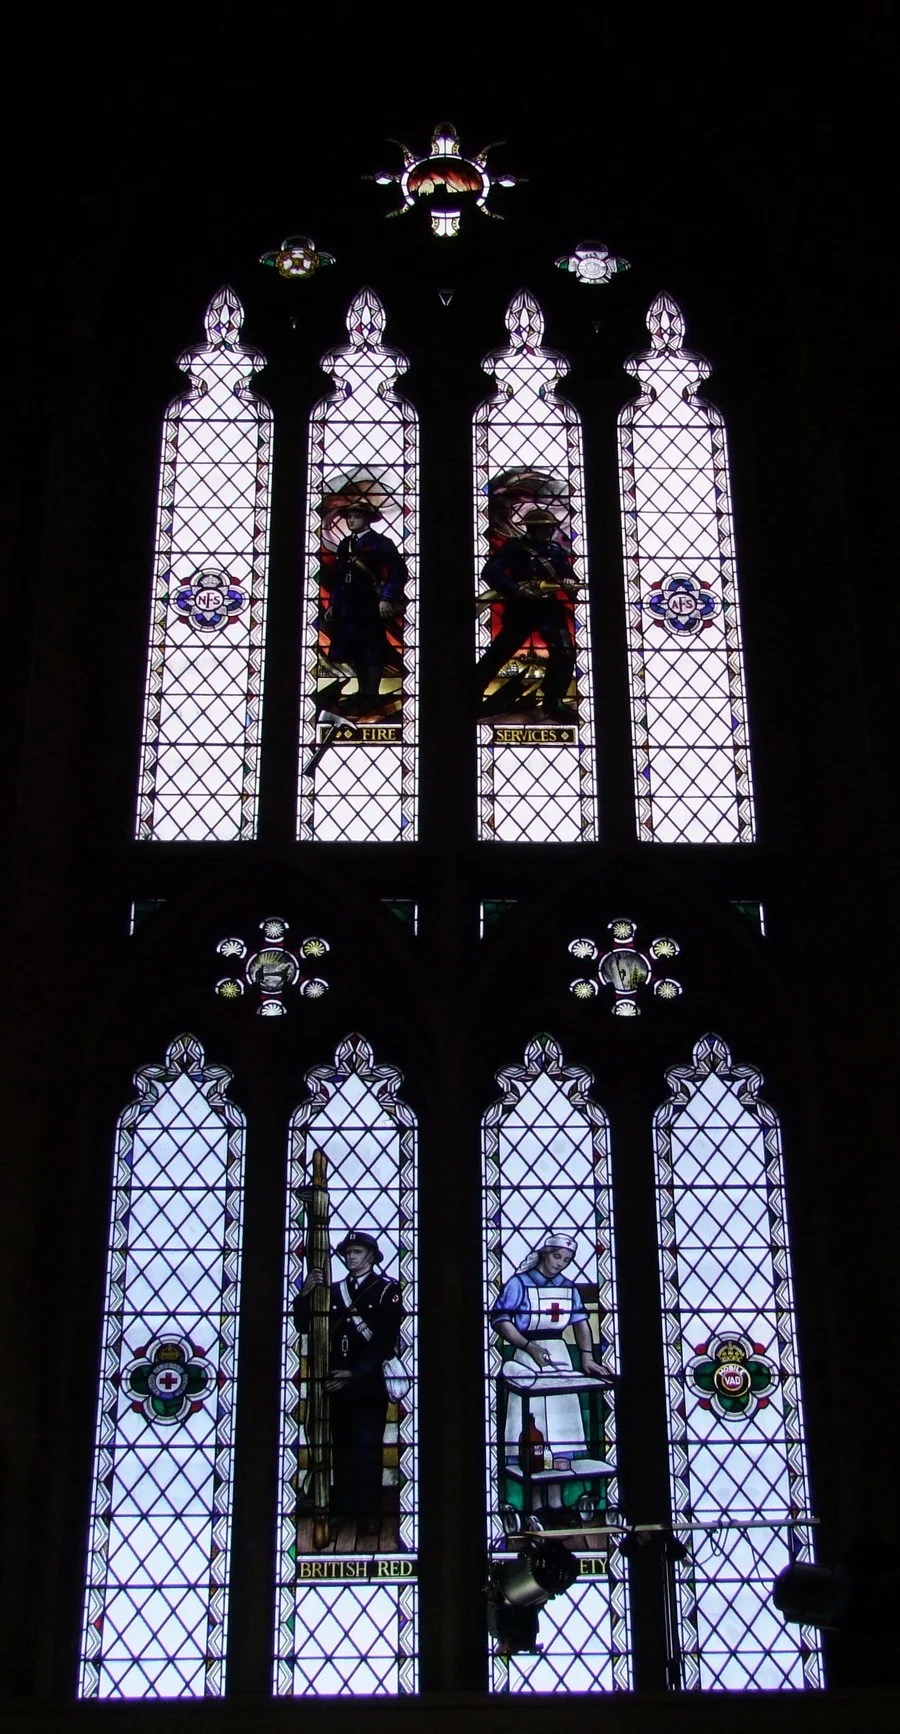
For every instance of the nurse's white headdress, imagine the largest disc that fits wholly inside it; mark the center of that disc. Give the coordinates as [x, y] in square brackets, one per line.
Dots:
[556, 1237]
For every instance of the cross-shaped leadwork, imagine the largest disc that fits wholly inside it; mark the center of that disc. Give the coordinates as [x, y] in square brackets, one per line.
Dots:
[625, 969]
[273, 968]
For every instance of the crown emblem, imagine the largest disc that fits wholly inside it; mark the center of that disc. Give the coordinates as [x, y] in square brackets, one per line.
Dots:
[732, 1376]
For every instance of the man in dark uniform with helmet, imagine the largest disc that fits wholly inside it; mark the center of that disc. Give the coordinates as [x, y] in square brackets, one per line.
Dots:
[366, 596]
[364, 1329]
[527, 573]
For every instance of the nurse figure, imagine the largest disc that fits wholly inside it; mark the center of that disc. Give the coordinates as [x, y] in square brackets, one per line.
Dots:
[531, 1312]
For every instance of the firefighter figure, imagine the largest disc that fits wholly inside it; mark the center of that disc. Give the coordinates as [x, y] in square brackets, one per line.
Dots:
[366, 597]
[527, 574]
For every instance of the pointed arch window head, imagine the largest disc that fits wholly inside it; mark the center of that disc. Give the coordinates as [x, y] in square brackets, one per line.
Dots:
[737, 1446]
[359, 709]
[365, 326]
[160, 1534]
[533, 679]
[686, 669]
[525, 324]
[199, 774]
[551, 1354]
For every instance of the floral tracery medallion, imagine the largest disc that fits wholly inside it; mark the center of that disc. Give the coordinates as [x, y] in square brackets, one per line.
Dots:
[168, 1381]
[732, 1375]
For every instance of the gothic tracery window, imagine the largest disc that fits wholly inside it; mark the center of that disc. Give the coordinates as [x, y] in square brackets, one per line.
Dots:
[533, 678]
[358, 770]
[737, 1447]
[551, 1359]
[156, 1611]
[199, 778]
[346, 1567]
[347, 1596]
[685, 657]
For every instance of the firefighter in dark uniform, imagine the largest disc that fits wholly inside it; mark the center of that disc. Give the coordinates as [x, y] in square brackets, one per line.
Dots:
[366, 596]
[528, 573]
[364, 1328]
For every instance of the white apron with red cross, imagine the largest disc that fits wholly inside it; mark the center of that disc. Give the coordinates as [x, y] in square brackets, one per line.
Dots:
[556, 1416]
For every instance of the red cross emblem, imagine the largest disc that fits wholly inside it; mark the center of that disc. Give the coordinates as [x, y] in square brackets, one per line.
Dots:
[554, 1312]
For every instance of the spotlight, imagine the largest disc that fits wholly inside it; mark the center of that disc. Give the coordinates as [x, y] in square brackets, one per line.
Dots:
[518, 1588]
[859, 1593]
[812, 1595]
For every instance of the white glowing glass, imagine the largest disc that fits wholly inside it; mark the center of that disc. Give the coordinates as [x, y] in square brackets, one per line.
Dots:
[358, 783]
[200, 752]
[160, 1533]
[546, 1155]
[685, 657]
[356, 1632]
[538, 788]
[725, 1272]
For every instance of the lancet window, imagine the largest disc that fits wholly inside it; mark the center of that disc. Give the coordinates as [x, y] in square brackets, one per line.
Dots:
[347, 1595]
[737, 1450]
[685, 656]
[533, 678]
[156, 1610]
[199, 779]
[551, 1354]
[358, 764]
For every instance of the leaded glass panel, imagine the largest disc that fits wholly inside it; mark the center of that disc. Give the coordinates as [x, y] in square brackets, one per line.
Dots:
[551, 1351]
[359, 695]
[346, 1557]
[737, 1450]
[685, 656]
[533, 680]
[200, 754]
[159, 1549]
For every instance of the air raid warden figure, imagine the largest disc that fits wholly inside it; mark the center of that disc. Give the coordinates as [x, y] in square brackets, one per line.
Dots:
[366, 596]
[364, 1328]
[527, 574]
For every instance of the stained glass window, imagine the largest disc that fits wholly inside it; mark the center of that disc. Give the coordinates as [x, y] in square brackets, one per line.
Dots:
[533, 680]
[346, 1558]
[685, 658]
[159, 1549]
[360, 646]
[445, 179]
[737, 1452]
[199, 768]
[551, 1349]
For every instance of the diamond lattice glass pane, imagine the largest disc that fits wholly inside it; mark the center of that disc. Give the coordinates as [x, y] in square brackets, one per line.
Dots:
[534, 688]
[551, 1346]
[346, 1557]
[159, 1546]
[686, 661]
[200, 752]
[359, 708]
[737, 1451]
